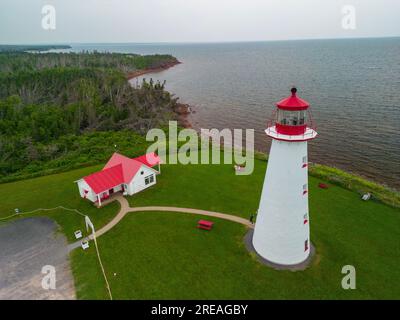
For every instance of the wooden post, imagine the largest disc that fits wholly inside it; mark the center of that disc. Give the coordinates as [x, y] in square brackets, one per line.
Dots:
[98, 197]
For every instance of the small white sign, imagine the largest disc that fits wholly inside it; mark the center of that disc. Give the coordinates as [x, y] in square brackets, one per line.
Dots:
[85, 245]
[78, 234]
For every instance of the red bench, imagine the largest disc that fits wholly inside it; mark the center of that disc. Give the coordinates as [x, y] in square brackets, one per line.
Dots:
[205, 225]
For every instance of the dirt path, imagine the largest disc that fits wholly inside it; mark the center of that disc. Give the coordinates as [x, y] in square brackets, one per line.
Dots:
[125, 209]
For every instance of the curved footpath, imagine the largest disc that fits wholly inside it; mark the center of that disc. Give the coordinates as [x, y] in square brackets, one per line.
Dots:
[125, 209]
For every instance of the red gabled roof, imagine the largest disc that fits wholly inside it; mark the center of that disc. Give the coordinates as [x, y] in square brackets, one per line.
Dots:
[118, 170]
[293, 102]
[129, 166]
[105, 179]
[150, 159]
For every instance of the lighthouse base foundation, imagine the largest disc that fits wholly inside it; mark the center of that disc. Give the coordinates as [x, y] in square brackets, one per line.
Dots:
[248, 241]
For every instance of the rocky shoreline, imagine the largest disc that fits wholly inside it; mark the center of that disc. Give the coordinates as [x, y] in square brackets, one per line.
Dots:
[161, 67]
[182, 110]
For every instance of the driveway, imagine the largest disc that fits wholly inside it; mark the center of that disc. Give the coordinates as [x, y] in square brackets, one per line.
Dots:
[26, 246]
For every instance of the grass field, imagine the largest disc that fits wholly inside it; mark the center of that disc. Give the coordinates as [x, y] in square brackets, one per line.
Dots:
[163, 255]
[208, 187]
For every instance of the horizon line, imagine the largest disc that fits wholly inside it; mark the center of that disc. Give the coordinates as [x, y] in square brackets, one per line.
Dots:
[197, 42]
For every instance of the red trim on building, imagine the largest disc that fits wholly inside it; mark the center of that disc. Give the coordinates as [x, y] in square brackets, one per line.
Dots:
[292, 108]
[290, 130]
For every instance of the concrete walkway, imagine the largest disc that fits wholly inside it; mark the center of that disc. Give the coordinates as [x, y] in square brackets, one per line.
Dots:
[125, 209]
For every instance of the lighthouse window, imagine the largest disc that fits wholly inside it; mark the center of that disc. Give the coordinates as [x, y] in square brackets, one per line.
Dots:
[305, 159]
[302, 119]
[291, 118]
[305, 220]
[306, 245]
[305, 187]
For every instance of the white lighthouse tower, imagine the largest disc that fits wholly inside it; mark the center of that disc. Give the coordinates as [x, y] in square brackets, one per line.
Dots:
[282, 230]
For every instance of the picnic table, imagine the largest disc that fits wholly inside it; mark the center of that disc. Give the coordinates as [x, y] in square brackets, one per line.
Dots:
[205, 225]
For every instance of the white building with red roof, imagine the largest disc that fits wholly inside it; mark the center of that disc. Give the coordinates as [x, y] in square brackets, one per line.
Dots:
[120, 174]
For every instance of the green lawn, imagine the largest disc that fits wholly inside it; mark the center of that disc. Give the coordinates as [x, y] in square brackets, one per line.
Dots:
[163, 255]
[52, 191]
[208, 187]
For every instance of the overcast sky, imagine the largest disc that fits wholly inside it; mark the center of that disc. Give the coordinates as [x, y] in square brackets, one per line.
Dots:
[95, 21]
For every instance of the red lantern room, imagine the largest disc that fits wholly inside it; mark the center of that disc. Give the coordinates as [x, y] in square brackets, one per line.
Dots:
[291, 120]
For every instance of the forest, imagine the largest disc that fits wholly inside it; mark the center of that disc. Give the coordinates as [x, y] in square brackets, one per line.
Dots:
[56, 109]
[11, 62]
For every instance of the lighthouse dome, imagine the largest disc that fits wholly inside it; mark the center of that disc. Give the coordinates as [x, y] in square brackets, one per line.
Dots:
[293, 102]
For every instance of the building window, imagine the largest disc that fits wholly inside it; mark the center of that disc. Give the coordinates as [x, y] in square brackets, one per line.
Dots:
[306, 245]
[142, 172]
[149, 179]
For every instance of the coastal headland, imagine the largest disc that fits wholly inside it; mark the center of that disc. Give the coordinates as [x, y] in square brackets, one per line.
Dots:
[161, 67]
[182, 110]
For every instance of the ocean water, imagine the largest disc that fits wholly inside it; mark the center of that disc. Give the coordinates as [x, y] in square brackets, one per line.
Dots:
[353, 87]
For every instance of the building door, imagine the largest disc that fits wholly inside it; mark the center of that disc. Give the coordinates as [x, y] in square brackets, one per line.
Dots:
[111, 191]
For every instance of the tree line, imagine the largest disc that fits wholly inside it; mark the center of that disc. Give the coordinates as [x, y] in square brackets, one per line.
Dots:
[48, 97]
[11, 62]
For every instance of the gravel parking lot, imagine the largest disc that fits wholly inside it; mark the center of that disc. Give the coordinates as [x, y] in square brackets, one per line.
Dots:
[26, 246]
